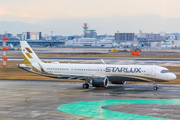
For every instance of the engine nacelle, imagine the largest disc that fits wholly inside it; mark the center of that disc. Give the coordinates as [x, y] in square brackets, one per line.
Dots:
[100, 82]
[118, 82]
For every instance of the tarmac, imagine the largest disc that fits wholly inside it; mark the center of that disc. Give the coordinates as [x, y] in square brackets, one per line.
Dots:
[121, 61]
[48, 100]
[62, 100]
[95, 51]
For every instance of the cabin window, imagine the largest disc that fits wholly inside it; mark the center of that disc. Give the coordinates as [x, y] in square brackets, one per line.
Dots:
[164, 71]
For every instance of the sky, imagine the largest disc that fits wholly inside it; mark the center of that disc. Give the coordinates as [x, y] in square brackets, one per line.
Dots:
[43, 9]
[33, 11]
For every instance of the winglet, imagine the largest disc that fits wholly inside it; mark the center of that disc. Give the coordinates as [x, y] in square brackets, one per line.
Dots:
[103, 61]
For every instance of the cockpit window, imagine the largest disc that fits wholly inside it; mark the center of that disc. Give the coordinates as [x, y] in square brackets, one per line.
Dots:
[164, 71]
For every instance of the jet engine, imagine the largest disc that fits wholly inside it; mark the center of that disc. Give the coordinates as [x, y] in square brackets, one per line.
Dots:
[100, 82]
[118, 82]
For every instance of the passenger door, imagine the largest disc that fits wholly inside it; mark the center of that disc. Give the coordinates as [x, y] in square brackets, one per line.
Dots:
[153, 72]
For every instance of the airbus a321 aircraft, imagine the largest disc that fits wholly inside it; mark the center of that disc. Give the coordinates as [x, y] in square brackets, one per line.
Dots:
[99, 75]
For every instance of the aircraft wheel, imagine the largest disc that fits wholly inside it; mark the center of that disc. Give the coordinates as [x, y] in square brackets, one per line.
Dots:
[155, 87]
[85, 85]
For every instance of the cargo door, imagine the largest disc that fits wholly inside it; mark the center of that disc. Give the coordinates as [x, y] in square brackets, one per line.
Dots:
[153, 72]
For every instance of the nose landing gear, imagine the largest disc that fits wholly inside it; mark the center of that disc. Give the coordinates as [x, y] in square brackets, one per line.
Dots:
[155, 86]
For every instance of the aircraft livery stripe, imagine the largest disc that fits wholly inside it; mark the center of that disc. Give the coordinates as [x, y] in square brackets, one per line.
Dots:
[28, 50]
[29, 55]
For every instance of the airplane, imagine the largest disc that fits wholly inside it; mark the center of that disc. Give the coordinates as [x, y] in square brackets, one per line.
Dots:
[98, 75]
[11, 47]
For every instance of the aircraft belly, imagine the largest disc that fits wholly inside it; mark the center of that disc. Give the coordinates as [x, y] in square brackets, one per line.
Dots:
[134, 78]
[122, 78]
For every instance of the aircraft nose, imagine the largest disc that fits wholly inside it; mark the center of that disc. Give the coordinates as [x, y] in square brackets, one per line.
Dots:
[173, 76]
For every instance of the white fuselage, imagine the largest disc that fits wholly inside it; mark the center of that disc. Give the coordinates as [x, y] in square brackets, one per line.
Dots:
[97, 74]
[141, 72]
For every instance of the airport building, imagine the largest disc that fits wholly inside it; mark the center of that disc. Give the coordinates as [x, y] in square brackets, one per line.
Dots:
[31, 36]
[70, 37]
[19, 36]
[124, 36]
[88, 33]
[149, 36]
[89, 39]
[89, 42]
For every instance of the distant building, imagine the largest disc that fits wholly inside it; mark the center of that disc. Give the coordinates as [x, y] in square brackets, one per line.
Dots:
[176, 35]
[19, 36]
[89, 33]
[166, 45]
[92, 34]
[124, 36]
[105, 37]
[8, 35]
[89, 42]
[1, 37]
[162, 33]
[149, 36]
[176, 43]
[70, 37]
[48, 38]
[77, 36]
[100, 37]
[110, 37]
[31, 36]
[172, 37]
[153, 37]
[59, 37]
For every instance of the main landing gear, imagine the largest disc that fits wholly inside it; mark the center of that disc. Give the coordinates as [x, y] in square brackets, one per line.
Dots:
[85, 85]
[155, 86]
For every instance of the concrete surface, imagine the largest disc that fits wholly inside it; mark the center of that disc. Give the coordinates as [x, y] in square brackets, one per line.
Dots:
[95, 51]
[120, 61]
[27, 100]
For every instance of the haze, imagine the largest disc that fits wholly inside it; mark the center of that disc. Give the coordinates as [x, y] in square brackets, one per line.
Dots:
[47, 15]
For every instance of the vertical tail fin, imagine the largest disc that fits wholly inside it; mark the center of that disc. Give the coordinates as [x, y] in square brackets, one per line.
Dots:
[28, 53]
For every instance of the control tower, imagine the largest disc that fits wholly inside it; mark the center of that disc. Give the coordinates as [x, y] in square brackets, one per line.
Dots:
[89, 33]
[85, 35]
